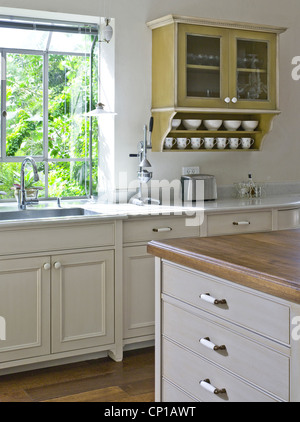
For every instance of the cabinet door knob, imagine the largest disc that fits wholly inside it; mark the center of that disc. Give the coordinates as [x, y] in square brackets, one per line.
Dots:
[57, 265]
[47, 266]
[227, 100]
[234, 100]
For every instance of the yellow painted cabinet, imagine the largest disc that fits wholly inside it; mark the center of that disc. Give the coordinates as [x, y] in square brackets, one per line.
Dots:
[226, 68]
[212, 70]
[201, 65]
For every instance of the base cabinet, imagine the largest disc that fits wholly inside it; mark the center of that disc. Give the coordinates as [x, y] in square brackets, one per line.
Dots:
[24, 308]
[237, 348]
[56, 303]
[82, 300]
[138, 293]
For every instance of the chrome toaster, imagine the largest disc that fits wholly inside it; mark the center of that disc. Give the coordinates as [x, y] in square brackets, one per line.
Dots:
[199, 187]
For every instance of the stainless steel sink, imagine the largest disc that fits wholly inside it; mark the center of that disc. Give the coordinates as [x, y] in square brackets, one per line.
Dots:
[45, 213]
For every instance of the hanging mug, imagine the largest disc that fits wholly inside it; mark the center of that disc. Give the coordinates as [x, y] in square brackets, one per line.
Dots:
[247, 143]
[234, 143]
[209, 143]
[169, 143]
[182, 143]
[196, 143]
[221, 143]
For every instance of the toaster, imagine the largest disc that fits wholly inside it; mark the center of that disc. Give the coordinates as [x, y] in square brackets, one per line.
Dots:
[199, 187]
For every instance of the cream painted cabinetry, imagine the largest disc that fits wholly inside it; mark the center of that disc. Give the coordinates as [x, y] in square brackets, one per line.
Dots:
[237, 222]
[25, 307]
[237, 348]
[288, 218]
[138, 271]
[138, 287]
[62, 303]
[82, 300]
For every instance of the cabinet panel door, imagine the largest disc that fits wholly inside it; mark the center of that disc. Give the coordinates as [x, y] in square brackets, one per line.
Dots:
[253, 70]
[82, 300]
[202, 66]
[24, 308]
[138, 292]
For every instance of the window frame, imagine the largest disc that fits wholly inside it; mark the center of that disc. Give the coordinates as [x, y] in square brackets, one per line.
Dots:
[45, 158]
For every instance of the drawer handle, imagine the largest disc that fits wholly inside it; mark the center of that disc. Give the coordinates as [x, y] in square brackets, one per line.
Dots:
[241, 223]
[208, 298]
[162, 229]
[208, 387]
[205, 341]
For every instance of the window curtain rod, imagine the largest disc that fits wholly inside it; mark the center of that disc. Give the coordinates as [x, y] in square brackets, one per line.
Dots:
[81, 29]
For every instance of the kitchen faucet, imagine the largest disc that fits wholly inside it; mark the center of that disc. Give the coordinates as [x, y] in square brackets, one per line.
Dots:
[22, 202]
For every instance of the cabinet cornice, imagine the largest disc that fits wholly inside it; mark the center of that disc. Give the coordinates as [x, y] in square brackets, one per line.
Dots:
[169, 19]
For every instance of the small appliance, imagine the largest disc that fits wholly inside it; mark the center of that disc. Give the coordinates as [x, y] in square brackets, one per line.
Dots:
[199, 187]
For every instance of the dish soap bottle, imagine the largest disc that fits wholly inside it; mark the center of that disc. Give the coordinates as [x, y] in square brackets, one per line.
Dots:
[251, 186]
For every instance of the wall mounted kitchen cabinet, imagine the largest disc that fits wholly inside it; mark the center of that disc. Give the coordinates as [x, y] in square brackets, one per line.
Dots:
[212, 66]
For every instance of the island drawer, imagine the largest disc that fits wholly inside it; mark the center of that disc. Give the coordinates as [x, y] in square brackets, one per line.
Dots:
[239, 222]
[158, 228]
[188, 370]
[172, 393]
[244, 307]
[248, 359]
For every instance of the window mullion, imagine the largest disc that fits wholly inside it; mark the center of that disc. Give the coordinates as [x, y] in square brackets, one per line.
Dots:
[3, 105]
[45, 118]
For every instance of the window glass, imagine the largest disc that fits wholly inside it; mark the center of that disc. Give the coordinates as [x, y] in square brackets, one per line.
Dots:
[71, 43]
[68, 85]
[23, 39]
[68, 179]
[45, 97]
[24, 105]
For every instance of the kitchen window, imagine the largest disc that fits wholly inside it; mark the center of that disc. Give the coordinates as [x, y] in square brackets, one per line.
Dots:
[49, 80]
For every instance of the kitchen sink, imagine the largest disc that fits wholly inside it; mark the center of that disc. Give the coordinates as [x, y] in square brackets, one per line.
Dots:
[45, 213]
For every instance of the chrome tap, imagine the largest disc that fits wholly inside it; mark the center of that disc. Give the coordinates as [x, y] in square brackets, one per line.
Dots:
[22, 202]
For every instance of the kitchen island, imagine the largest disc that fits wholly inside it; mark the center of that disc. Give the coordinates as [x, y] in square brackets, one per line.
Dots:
[227, 317]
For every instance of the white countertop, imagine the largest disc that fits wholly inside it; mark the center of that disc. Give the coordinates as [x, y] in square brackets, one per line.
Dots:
[125, 211]
[231, 204]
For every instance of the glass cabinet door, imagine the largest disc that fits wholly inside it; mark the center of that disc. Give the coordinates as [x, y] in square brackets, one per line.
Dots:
[254, 76]
[202, 66]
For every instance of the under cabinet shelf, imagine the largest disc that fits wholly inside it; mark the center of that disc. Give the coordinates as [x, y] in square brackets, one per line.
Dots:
[162, 128]
[187, 132]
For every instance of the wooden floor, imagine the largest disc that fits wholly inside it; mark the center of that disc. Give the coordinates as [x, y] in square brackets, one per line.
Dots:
[101, 380]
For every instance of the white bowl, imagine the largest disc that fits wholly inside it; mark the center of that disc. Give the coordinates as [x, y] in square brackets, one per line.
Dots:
[191, 124]
[250, 124]
[212, 124]
[232, 124]
[175, 123]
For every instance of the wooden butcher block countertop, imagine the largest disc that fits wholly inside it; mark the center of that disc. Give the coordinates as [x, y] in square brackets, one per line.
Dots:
[268, 262]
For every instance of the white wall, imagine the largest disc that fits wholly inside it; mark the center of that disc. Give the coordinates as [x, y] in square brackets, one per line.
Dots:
[279, 160]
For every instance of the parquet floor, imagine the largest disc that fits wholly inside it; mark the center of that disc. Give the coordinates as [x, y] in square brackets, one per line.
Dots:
[101, 380]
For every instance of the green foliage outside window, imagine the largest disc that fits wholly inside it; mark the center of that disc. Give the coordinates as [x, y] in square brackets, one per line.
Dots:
[68, 129]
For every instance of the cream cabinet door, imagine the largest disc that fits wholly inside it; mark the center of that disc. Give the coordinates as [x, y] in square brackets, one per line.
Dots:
[24, 308]
[82, 300]
[138, 292]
